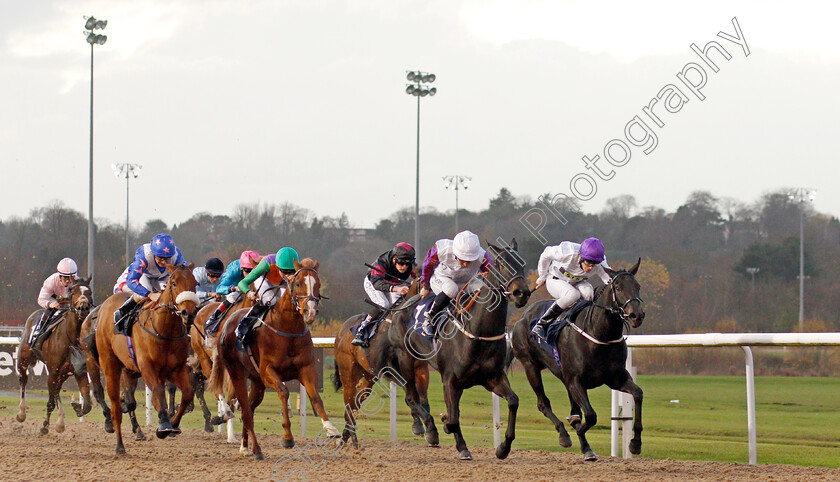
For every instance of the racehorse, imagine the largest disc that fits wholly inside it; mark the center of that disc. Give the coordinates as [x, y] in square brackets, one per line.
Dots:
[156, 350]
[356, 369]
[592, 352]
[472, 347]
[59, 351]
[280, 349]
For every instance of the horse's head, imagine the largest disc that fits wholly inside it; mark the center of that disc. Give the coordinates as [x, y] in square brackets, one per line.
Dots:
[81, 298]
[305, 289]
[508, 272]
[625, 295]
[179, 294]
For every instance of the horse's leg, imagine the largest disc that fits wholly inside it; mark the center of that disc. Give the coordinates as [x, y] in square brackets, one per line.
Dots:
[85, 405]
[451, 422]
[421, 382]
[112, 383]
[130, 406]
[53, 386]
[153, 381]
[580, 400]
[501, 387]
[543, 404]
[181, 378]
[170, 405]
[626, 384]
[197, 381]
[59, 424]
[275, 381]
[309, 378]
[98, 392]
[350, 376]
[239, 379]
[23, 377]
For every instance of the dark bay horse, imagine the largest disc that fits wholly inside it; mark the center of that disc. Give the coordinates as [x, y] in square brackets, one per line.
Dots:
[58, 351]
[472, 348]
[357, 368]
[282, 350]
[592, 355]
[158, 352]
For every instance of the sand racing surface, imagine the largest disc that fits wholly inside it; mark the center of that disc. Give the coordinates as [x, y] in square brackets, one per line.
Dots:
[85, 452]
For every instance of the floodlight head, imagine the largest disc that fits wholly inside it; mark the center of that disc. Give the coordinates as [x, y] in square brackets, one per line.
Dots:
[410, 76]
[409, 90]
[90, 23]
[431, 78]
[424, 93]
[466, 182]
[91, 38]
[101, 39]
[100, 24]
[433, 91]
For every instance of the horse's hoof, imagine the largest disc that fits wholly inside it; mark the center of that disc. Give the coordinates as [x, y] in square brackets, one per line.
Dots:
[109, 426]
[243, 450]
[77, 407]
[164, 431]
[120, 450]
[434, 445]
[565, 440]
[59, 428]
[87, 409]
[139, 436]
[502, 451]
[465, 455]
[432, 438]
[590, 456]
[21, 417]
[573, 419]
[417, 428]
[44, 431]
[287, 444]
[259, 456]
[635, 447]
[208, 427]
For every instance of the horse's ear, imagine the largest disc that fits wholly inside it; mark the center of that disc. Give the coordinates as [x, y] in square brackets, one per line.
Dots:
[87, 281]
[514, 245]
[170, 267]
[315, 266]
[492, 247]
[191, 266]
[635, 267]
[297, 264]
[610, 272]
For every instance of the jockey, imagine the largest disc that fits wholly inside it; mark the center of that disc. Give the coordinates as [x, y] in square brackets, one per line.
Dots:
[147, 275]
[270, 279]
[208, 278]
[386, 282]
[236, 271]
[54, 290]
[449, 265]
[565, 270]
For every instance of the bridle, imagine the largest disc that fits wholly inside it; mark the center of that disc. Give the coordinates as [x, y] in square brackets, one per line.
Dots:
[173, 309]
[616, 310]
[299, 300]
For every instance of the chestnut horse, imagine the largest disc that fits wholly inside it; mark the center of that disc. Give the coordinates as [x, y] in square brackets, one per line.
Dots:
[59, 351]
[356, 368]
[280, 349]
[158, 349]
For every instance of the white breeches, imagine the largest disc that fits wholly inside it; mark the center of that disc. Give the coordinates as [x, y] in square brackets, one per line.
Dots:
[566, 294]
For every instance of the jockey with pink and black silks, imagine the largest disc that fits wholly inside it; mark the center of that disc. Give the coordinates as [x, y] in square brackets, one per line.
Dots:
[449, 265]
[146, 276]
[565, 270]
[56, 288]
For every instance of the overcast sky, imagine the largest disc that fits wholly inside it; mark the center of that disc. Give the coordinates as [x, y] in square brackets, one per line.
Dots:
[226, 102]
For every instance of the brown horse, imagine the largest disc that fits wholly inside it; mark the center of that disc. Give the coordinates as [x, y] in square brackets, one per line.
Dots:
[158, 351]
[282, 350]
[205, 355]
[58, 351]
[128, 385]
[358, 367]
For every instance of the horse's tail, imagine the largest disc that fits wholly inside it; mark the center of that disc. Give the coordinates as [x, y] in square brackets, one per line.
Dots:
[336, 377]
[216, 382]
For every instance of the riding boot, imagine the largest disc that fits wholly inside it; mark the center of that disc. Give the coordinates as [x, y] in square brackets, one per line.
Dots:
[542, 324]
[243, 329]
[212, 323]
[121, 314]
[432, 318]
[359, 339]
[39, 328]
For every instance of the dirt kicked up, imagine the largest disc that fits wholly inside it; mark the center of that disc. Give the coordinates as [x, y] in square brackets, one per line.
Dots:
[85, 452]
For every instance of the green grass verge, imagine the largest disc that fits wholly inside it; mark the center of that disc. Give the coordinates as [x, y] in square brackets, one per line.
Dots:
[796, 418]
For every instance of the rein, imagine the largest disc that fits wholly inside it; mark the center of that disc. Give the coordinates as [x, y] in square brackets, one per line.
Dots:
[619, 311]
[172, 310]
[295, 303]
